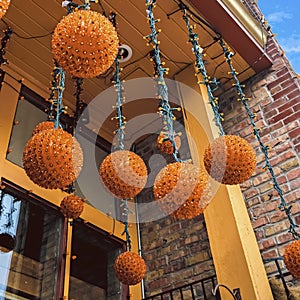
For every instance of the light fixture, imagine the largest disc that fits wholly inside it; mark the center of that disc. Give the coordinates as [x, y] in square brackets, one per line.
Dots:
[124, 173]
[230, 159]
[72, 206]
[182, 190]
[52, 158]
[85, 43]
[130, 268]
[125, 53]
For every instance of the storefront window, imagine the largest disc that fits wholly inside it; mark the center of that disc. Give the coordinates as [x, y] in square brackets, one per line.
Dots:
[30, 270]
[92, 275]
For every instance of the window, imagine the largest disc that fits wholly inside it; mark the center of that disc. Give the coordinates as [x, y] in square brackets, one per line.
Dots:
[34, 268]
[31, 269]
[31, 110]
[92, 275]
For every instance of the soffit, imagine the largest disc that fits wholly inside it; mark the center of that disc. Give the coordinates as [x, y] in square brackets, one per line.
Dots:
[37, 18]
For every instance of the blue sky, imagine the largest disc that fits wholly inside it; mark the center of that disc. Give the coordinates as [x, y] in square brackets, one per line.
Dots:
[284, 18]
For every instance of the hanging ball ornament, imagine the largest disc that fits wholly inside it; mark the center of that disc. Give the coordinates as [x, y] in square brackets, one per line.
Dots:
[292, 258]
[4, 4]
[165, 145]
[85, 43]
[124, 173]
[72, 206]
[182, 190]
[230, 159]
[7, 242]
[43, 126]
[52, 158]
[130, 268]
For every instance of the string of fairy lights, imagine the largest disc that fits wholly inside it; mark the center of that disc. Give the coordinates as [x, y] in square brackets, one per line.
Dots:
[286, 208]
[71, 6]
[164, 108]
[121, 119]
[193, 38]
[88, 60]
[120, 135]
[200, 67]
[56, 95]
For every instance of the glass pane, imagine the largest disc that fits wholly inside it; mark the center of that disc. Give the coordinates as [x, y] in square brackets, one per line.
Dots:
[28, 115]
[92, 275]
[88, 183]
[29, 271]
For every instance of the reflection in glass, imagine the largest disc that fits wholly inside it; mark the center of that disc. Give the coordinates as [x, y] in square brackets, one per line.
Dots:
[92, 275]
[27, 116]
[30, 270]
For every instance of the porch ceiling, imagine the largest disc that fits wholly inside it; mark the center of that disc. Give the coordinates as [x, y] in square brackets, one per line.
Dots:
[39, 18]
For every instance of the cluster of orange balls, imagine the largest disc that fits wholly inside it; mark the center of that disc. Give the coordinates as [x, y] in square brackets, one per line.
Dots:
[52, 159]
[181, 189]
[124, 174]
[85, 44]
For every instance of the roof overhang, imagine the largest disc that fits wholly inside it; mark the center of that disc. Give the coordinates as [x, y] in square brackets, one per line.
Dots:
[239, 29]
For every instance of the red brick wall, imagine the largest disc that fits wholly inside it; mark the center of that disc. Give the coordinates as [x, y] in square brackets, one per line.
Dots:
[275, 97]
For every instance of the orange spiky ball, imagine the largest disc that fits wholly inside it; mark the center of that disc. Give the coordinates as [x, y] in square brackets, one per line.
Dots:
[7, 242]
[72, 206]
[292, 258]
[182, 190]
[165, 145]
[85, 43]
[130, 268]
[4, 4]
[43, 126]
[124, 173]
[52, 158]
[230, 159]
